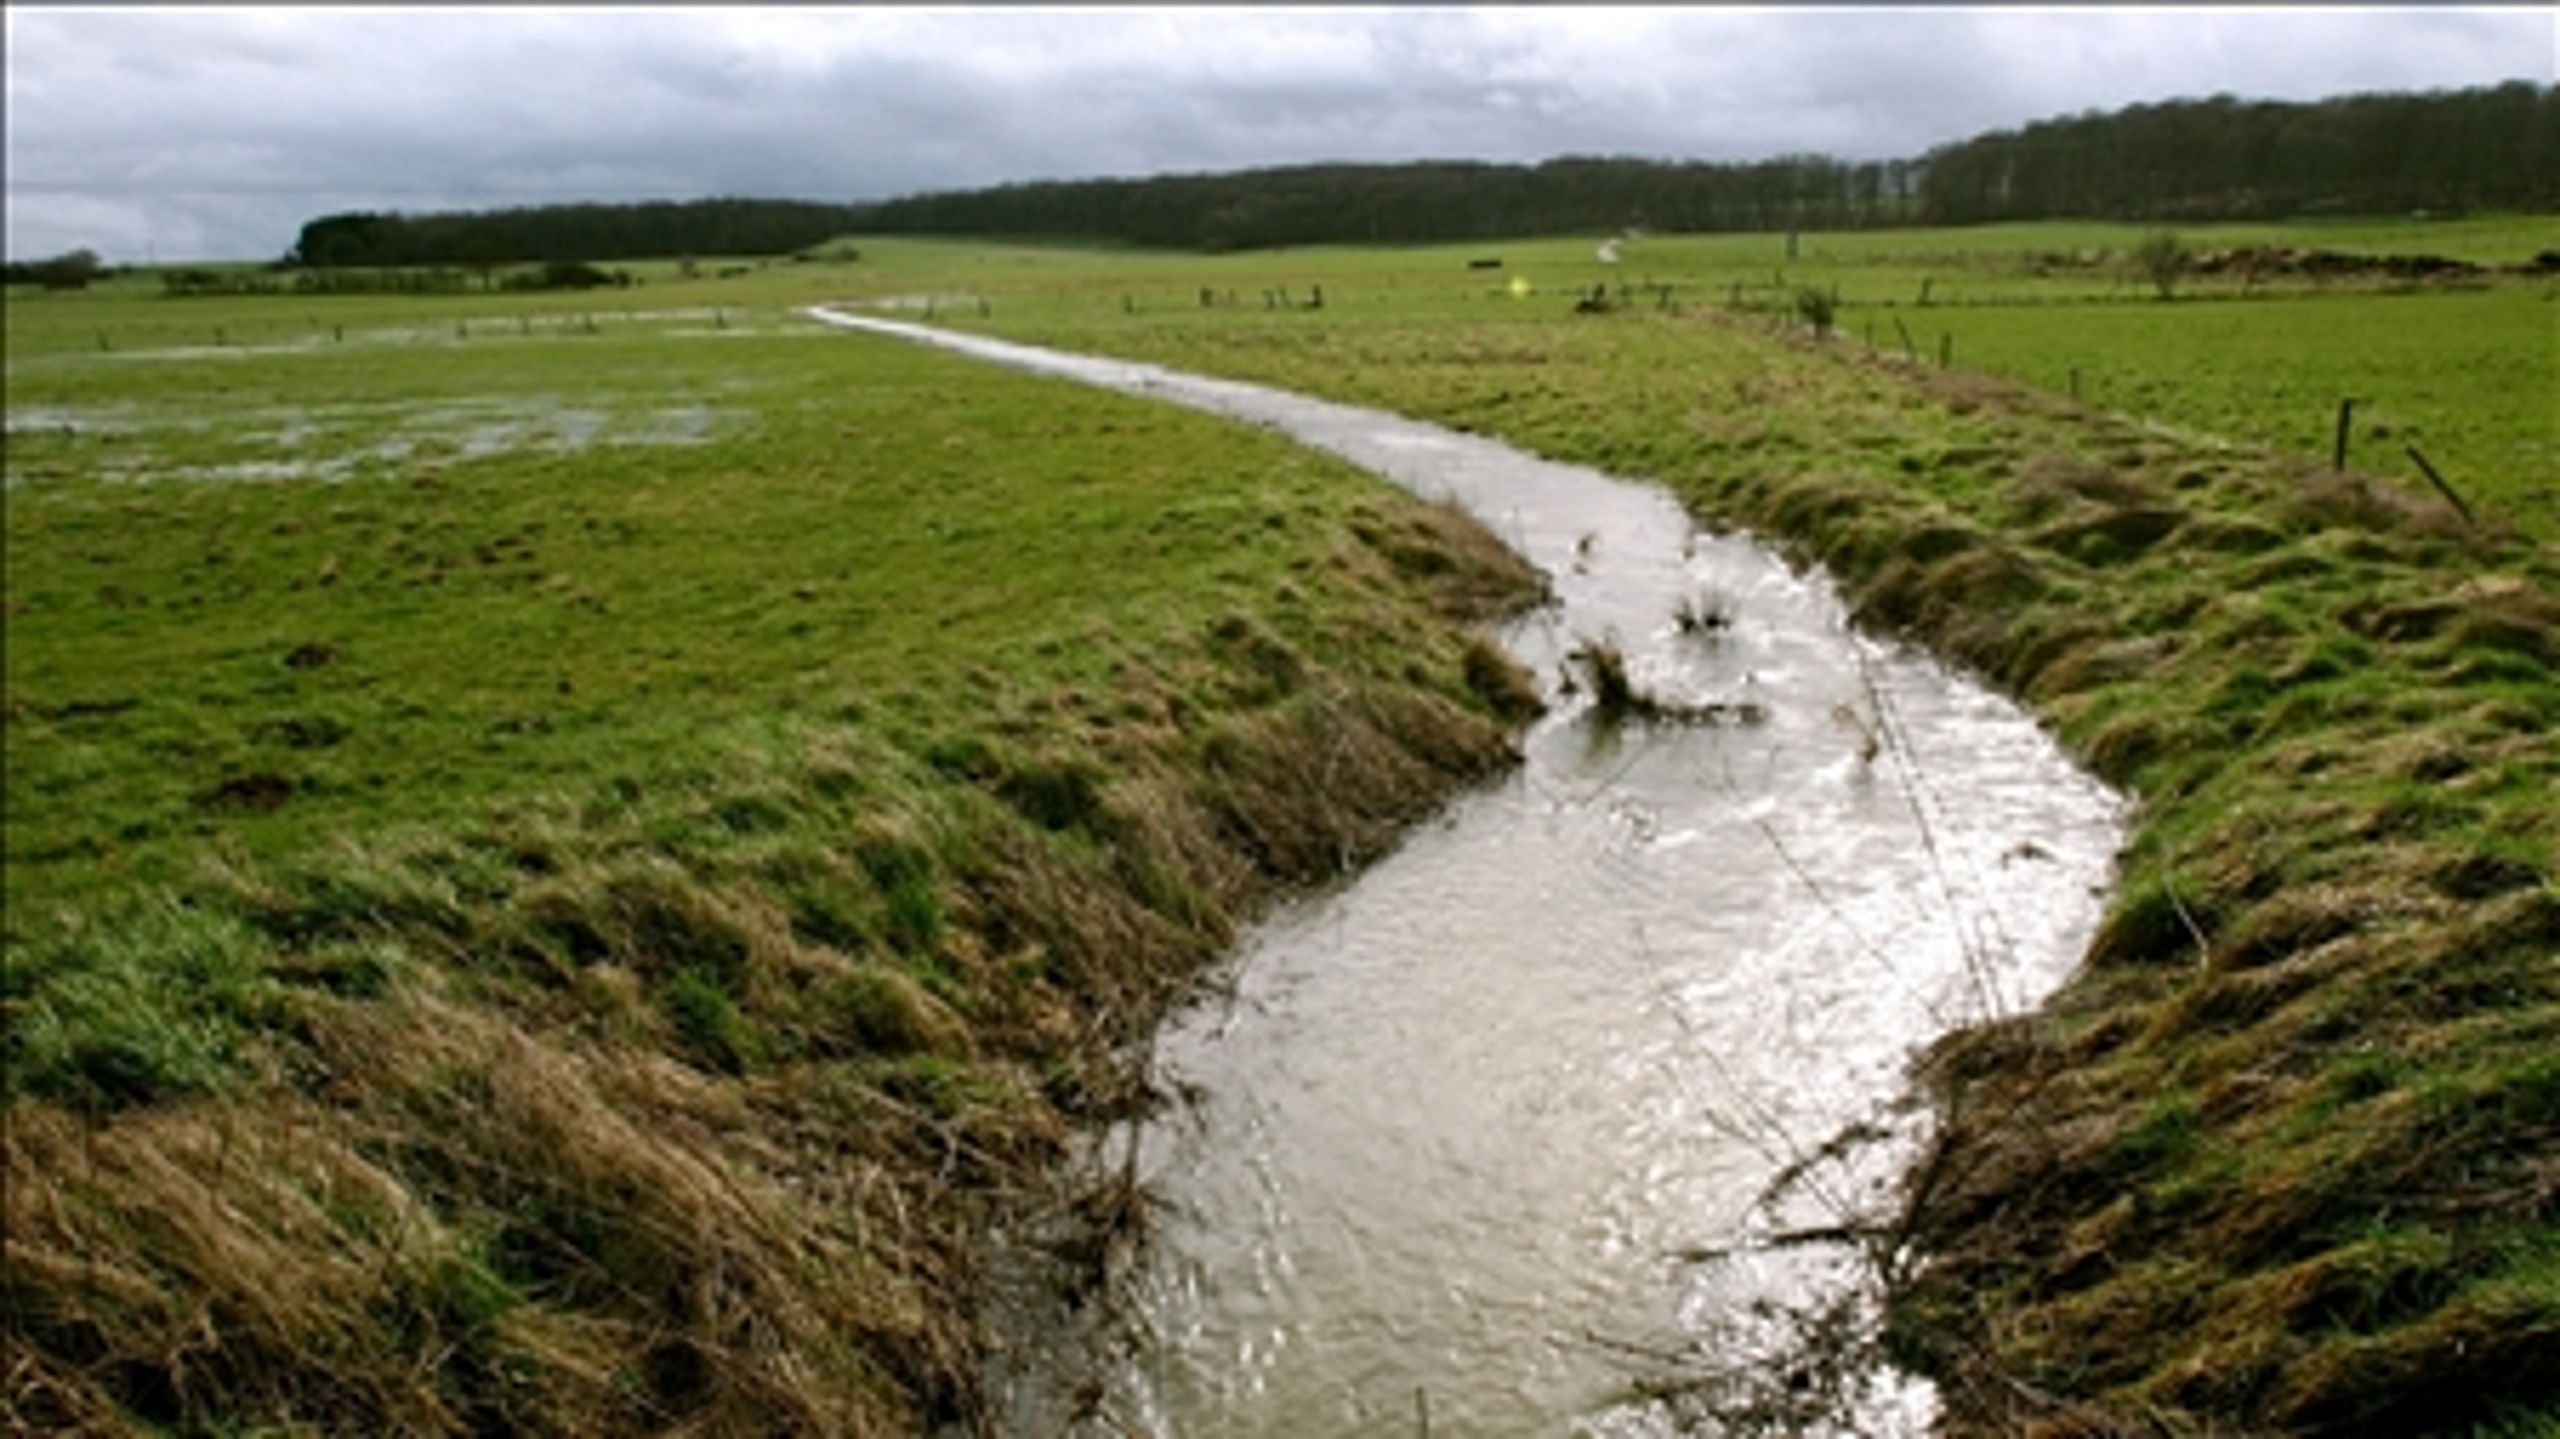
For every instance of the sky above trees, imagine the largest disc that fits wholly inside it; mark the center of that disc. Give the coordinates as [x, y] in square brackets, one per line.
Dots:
[204, 133]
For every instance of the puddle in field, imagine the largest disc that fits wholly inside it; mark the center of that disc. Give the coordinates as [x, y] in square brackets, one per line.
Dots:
[1484, 1141]
[314, 333]
[131, 445]
[60, 422]
[955, 302]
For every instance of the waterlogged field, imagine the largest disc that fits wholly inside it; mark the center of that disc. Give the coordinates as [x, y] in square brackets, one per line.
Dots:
[258, 596]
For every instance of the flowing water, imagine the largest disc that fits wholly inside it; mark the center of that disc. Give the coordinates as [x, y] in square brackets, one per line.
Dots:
[1478, 1141]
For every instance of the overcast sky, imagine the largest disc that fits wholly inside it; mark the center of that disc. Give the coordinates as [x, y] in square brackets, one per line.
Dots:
[214, 133]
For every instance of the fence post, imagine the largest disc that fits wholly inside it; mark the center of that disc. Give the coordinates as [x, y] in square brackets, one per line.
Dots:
[2441, 487]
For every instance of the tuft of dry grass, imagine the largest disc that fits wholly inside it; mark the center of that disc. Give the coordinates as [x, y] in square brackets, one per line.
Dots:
[466, 1226]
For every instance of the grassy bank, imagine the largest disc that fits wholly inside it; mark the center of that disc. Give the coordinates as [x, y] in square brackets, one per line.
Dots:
[556, 876]
[2281, 1159]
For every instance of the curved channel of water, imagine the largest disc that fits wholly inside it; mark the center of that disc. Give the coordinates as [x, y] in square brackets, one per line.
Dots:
[1476, 1142]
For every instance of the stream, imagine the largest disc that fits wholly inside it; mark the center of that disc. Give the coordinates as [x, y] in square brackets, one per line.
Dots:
[1488, 1140]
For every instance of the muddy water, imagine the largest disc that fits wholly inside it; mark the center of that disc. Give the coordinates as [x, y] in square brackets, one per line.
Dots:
[1479, 1140]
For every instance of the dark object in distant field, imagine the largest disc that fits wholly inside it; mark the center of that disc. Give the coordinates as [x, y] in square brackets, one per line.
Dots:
[259, 792]
[570, 275]
[1817, 308]
[2162, 258]
[2255, 261]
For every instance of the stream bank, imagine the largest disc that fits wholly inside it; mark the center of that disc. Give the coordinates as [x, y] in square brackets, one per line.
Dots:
[1537, 1114]
[2279, 1157]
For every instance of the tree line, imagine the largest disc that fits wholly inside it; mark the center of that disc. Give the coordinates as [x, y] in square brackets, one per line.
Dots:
[2185, 160]
[2225, 159]
[1427, 200]
[70, 270]
[486, 239]
[2182, 160]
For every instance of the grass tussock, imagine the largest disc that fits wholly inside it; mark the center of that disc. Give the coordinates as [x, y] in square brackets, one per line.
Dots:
[1616, 698]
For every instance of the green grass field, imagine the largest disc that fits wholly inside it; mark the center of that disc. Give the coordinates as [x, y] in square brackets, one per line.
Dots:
[2467, 378]
[2468, 372]
[567, 854]
[440, 573]
[554, 876]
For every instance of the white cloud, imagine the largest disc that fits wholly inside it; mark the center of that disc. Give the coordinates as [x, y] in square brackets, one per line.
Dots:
[217, 132]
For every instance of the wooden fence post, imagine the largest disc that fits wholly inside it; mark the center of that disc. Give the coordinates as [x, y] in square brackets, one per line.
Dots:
[2441, 487]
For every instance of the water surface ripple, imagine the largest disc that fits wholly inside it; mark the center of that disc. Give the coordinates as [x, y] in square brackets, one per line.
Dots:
[1484, 1134]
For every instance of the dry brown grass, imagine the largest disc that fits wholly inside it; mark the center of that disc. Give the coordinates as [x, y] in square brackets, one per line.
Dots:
[465, 1226]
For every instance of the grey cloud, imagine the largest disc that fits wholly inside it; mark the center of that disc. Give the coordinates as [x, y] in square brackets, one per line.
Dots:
[216, 133]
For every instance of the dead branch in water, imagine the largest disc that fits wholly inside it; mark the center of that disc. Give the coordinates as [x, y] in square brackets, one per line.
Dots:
[1615, 697]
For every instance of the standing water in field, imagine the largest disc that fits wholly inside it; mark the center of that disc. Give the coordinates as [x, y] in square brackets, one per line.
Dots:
[1528, 1129]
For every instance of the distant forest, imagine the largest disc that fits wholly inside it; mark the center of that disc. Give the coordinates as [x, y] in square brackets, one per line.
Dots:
[2186, 160]
[570, 233]
[2181, 161]
[2226, 159]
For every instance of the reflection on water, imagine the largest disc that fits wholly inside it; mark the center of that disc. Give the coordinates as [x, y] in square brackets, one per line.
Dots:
[1485, 1135]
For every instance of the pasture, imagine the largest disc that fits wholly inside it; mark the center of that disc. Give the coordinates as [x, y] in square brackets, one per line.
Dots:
[601, 851]
[584, 789]
[2464, 367]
